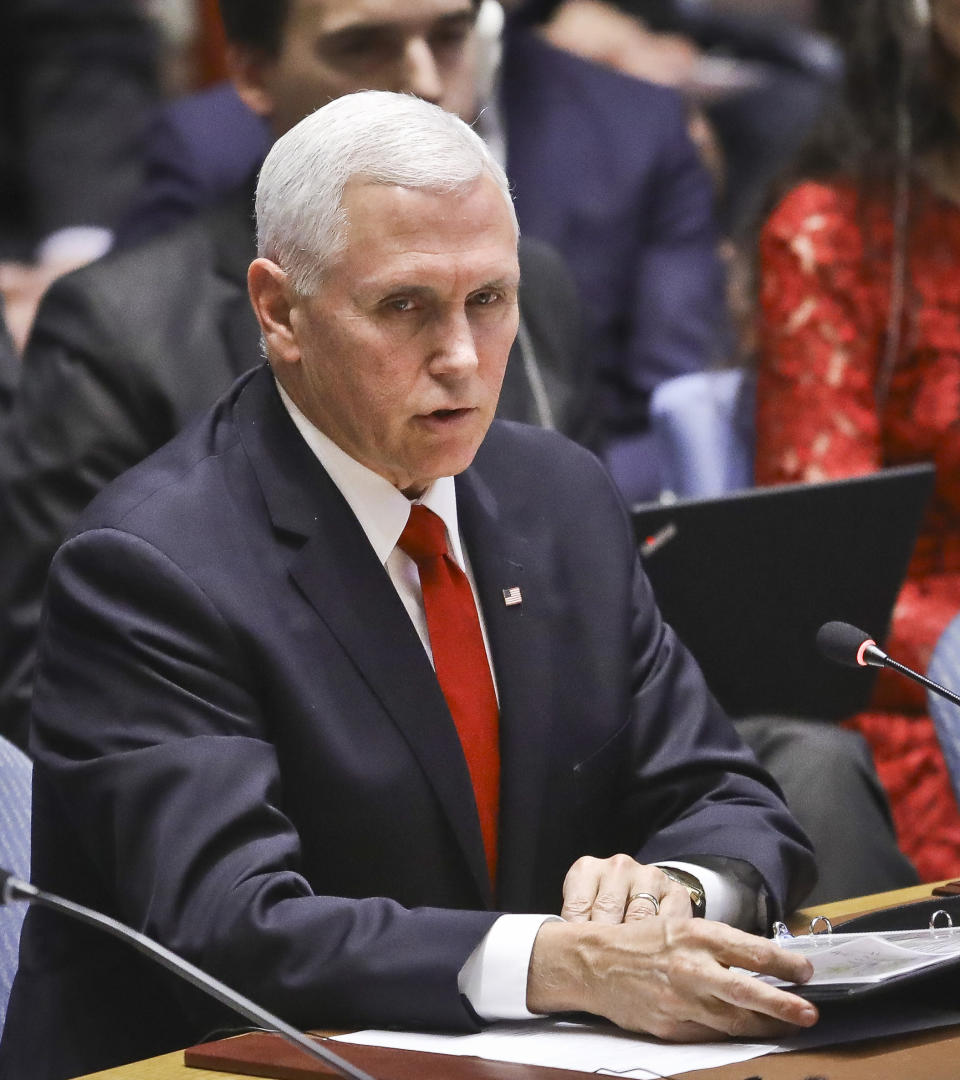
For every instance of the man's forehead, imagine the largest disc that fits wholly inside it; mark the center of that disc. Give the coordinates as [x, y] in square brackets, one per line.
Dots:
[475, 207]
[412, 232]
[334, 15]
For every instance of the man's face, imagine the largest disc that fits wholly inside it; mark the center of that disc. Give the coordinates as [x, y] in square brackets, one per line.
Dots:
[335, 47]
[401, 352]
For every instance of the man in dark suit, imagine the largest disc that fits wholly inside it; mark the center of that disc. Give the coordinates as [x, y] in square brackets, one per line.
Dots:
[129, 349]
[253, 735]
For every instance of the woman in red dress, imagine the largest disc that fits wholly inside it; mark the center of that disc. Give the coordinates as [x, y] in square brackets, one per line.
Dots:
[859, 354]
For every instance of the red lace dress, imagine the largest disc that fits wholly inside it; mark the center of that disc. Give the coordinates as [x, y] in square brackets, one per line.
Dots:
[825, 287]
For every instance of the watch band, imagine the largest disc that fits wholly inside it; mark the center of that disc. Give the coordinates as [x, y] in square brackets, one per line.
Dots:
[695, 890]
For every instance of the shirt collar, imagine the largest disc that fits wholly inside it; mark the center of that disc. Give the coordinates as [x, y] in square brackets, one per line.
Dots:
[381, 509]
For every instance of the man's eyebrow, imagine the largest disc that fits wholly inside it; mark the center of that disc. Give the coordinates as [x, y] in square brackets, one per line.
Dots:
[391, 27]
[511, 281]
[398, 288]
[384, 291]
[468, 16]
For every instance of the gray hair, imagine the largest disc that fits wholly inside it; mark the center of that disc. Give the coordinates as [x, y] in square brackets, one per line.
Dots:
[383, 137]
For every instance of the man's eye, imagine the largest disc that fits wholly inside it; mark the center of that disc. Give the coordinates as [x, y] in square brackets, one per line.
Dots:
[485, 297]
[400, 303]
[356, 46]
[449, 39]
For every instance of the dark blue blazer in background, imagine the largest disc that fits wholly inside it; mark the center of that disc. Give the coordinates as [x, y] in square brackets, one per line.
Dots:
[602, 168]
[241, 747]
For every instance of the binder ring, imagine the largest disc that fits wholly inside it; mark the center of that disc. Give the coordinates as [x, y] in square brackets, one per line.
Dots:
[826, 922]
[944, 926]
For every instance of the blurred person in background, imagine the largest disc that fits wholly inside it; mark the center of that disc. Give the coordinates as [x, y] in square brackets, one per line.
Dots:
[859, 350]
[76, 82]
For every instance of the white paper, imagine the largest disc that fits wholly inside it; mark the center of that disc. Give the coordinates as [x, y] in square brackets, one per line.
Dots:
[865, 959]
[590, 1048]
[607, 1051]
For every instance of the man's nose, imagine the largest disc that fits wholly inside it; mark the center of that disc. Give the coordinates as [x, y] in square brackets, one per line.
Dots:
[421, 75]
[456, 351]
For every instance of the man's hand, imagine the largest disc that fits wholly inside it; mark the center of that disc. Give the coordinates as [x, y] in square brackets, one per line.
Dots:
[612, 891]
[668, 977]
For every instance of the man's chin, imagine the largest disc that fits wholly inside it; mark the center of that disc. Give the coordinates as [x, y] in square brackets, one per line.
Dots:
[450, 460]
[452, 432]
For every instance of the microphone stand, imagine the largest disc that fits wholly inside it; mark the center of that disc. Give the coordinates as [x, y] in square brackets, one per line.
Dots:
[12, 888]
[876, 657]
[929, 684]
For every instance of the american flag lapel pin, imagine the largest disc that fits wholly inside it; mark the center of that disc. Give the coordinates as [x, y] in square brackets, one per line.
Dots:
[512, 597]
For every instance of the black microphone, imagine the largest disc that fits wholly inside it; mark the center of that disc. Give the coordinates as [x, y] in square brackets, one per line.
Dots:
[845, 644]
[12, 888]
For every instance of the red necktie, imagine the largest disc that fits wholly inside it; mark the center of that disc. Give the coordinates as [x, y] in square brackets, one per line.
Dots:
[460, 660]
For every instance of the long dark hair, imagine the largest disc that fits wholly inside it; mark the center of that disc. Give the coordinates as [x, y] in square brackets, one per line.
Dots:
[890, 113]
[892, 94]
[258, 24]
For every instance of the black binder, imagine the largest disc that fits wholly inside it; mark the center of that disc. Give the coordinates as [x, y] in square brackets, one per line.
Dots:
[934, 923]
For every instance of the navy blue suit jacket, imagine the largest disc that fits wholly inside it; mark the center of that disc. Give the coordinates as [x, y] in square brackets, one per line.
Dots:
[242, 749]
[602, 168]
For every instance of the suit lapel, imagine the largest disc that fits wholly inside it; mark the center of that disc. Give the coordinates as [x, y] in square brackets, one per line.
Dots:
[504, 557]
[338, 572]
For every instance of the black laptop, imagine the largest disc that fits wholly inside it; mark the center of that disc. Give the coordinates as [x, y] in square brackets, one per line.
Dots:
[747, 579]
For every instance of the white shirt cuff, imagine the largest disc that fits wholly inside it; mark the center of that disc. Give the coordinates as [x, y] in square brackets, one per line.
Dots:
[494, 977]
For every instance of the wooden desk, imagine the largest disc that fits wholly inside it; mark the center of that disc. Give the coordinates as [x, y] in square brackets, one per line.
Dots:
[927, 1056]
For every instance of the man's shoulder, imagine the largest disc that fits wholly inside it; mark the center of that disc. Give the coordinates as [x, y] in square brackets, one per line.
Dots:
[600, 91]
[157, 312]
[127, 294]
[547, 485]
[168, 265]
[520, 456]
[176, 484]
[210, 136]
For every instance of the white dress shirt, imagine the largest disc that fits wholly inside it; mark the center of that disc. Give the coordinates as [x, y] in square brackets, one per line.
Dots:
[494, 977]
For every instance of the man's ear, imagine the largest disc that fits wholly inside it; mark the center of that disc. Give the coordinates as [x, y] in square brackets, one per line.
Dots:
[272, 298]
[251, 71]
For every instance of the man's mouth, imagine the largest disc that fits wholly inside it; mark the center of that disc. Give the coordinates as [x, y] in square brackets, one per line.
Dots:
[447, 416]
